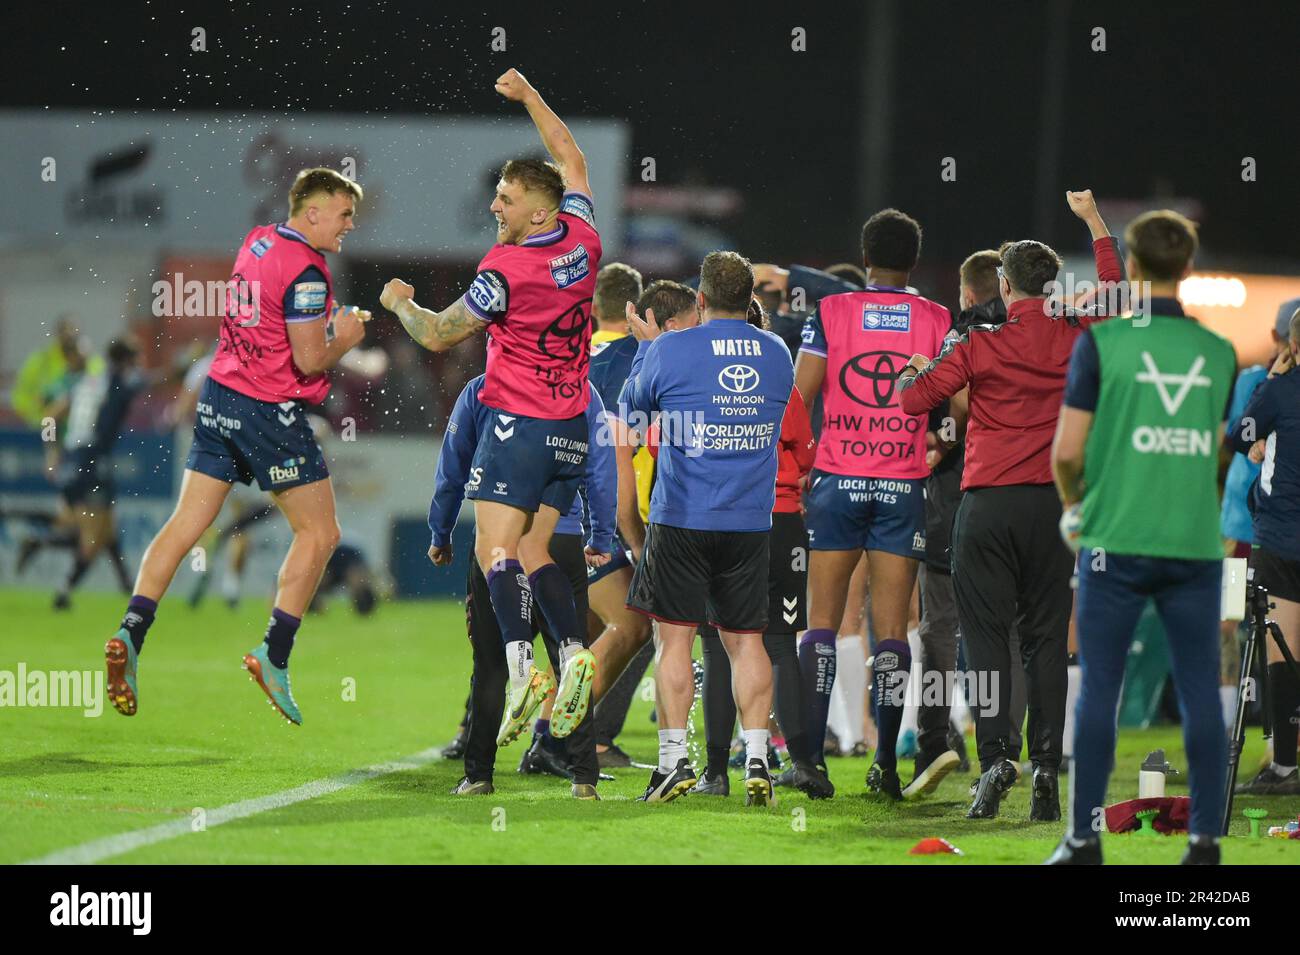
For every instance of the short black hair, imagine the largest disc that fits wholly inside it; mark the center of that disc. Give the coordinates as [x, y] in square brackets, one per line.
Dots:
[123, 350]
[891, 240]
[848, 272]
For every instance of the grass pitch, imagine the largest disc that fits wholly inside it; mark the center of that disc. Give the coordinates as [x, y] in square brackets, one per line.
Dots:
[205, 737]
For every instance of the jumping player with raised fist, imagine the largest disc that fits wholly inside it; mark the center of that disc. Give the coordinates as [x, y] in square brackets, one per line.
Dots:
[532, 297]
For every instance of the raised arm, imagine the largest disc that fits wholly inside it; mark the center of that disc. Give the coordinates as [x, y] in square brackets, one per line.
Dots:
[557, 139]
[815, 283]
[1105, 247]
[1083, 205]
[436, 331]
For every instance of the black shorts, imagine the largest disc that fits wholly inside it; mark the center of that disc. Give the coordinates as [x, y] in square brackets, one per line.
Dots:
[1280, 576]
[694, 577]
[787, 574]
[84, 479]
[341, 562]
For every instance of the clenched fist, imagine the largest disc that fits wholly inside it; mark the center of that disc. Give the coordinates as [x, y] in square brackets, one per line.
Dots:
[394, 293]
[1082, 204]
[514, 86]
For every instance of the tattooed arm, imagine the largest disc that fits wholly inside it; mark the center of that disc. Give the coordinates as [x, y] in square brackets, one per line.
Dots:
[436, 331]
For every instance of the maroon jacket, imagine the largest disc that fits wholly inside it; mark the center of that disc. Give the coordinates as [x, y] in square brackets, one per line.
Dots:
[1016, 372]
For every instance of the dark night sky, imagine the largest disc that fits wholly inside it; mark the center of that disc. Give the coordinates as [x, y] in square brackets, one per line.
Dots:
[716, 95]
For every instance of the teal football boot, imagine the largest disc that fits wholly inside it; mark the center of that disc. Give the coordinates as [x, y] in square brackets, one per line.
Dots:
[274, 681]
[121, 659]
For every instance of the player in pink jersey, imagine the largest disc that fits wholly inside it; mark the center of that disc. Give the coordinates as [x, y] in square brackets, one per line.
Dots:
[532, 296]
[866, 489]
[279, 338]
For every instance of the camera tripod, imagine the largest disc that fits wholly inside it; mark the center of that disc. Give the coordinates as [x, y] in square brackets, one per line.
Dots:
[1261, 628]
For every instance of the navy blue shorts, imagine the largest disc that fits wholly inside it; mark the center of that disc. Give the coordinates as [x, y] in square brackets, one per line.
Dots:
[860, 513]
[527, 462]
[238, 438]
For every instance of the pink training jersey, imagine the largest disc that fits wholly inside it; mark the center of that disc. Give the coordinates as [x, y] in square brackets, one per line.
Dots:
[866, 338]
[278, 279]
[536, 299]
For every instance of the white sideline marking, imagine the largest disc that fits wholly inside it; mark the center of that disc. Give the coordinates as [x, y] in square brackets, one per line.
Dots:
[98, 850]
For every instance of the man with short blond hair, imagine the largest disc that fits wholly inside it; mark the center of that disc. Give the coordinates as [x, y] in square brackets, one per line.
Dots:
[312, 184]
[616, 285]
[532, 298]
[280, 336]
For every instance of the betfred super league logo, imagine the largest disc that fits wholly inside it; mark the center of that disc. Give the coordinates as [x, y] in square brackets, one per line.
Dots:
[571, 267]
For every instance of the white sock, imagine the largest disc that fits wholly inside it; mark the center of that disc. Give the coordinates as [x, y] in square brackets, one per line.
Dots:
[912, 699]
[1228, 702]
[519, 659]
[1282, 771]
[672, 749]
[567, 649]
[851, 681]
[756, 745]
[1073, 679]
[837, 715]
[959, 713]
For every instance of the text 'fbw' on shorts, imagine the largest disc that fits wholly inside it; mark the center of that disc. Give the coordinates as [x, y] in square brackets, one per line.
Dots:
[239, 439]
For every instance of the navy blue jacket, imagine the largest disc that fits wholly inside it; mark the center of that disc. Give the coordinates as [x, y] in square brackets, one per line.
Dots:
[610, 367]
[1273, 413]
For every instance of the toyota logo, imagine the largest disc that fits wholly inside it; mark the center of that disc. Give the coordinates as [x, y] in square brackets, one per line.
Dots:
[868, 379]
[564, 339]
[738, 379]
